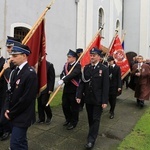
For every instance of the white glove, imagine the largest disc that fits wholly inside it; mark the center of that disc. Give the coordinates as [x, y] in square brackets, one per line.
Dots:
[60, 82]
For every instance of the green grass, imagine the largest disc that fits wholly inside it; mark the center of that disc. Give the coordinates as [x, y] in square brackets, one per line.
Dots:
[56, 101]
[139, 138]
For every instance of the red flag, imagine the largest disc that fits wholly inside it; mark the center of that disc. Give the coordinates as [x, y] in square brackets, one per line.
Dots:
[120, 57]
[86, 58]
[37, 45]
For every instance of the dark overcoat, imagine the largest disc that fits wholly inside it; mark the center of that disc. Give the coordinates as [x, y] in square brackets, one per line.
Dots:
[3, 84]
[95, 84]
[114, 80]
[50, 78]
[21, 103]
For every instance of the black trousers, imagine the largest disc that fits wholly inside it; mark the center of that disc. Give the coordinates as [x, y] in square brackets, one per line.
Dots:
[94, 115]
[5, 125]
[70, 108]
[82, 101]
[42, 108]
[112, 102]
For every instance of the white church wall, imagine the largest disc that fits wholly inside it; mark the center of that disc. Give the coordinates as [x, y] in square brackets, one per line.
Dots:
[2, 25]
[60, 25]
[81, 23]
[89, 15]
[112, 13]
[144, 28]
[61, 32]
[149, 35]
[132, 25]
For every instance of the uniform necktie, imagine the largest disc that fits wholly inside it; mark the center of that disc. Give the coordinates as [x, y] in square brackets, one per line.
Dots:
[111, 69]
[16, 71]
[93, 67]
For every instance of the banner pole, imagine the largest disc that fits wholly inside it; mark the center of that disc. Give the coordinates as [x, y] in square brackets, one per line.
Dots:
[123, 37]
[122, 40]
[111, 44]
[32, 30]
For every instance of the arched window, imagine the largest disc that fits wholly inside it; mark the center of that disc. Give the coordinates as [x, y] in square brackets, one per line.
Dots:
[101, 18]
[20, 32]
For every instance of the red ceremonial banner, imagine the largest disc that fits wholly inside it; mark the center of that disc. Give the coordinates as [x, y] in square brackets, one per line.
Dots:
[37, 45]
[86, 58]
[119, 55]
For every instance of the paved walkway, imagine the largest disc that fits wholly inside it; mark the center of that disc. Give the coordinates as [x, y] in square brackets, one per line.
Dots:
[112, 131]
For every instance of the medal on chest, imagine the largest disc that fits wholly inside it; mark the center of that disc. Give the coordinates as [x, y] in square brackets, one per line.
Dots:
[100, 73]
[17, 83]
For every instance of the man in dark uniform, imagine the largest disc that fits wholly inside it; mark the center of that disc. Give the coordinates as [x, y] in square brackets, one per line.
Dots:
[114, 84]
[8, 66]
[20, 106]
[95, 85]
[44, 96]
[71, 81]
[3, 87]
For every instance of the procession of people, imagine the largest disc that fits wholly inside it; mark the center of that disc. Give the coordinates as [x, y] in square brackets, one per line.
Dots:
[96, 85]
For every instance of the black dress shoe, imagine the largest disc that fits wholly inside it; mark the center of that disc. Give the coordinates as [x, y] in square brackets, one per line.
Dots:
[70, 127]
[40, 121]
[5, 136]
[138, 102]
[89, 145]
[1, 134]
[48, 121]
[111, 116]
[65, 123]
[141, 104]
